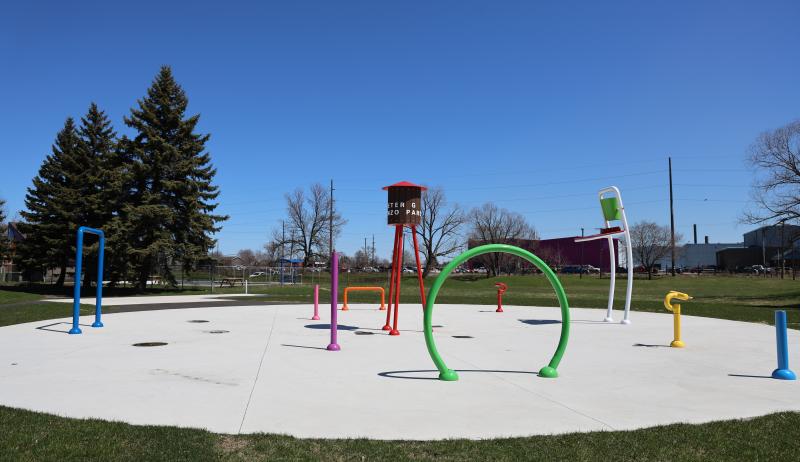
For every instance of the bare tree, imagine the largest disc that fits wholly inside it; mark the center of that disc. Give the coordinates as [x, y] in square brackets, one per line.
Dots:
[552, 256]
[272, 252]
[345, 262]
[494, 225]
[261, 258]
[361, 259]
[408, 259]
[309, 222]
[439, 229]
[775, 157]
[651, 242]
[247, 257]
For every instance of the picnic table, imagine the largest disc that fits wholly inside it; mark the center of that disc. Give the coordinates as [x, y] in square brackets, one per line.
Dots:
[231, 282]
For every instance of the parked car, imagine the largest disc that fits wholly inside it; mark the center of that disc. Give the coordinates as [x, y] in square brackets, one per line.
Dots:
[571, 269]
[256, 274]
[589, 269]
[761, 269]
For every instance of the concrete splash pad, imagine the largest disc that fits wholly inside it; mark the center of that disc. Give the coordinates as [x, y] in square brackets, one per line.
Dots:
[268, 371]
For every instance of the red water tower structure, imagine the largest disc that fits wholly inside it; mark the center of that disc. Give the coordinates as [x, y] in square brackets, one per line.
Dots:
[404, 210]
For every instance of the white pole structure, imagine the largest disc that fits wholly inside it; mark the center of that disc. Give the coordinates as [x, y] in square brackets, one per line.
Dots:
[613, 263]
[613, 210]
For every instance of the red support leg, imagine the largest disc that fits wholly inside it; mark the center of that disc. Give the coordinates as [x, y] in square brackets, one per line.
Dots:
[394, 330]
[419, 268]
[392, 280]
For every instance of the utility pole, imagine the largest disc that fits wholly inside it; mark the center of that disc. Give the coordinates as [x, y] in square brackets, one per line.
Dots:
[283, 246]
[330, 224]
[366, 251]
[372, 261]
[671, 218]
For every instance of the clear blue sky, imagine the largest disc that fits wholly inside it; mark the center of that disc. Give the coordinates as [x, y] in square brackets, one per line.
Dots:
[534, 106]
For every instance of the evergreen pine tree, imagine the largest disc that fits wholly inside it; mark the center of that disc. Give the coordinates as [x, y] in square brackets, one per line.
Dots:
[52, 203]
[169, 216]
[98, 199]
[119, 185]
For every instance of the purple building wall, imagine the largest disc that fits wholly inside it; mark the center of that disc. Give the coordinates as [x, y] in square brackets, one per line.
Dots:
[564, 251]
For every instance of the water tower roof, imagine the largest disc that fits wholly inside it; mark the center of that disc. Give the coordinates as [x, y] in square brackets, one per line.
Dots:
[404, 184]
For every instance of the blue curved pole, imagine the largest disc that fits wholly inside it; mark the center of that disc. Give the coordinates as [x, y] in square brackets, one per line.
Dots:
[76, 295]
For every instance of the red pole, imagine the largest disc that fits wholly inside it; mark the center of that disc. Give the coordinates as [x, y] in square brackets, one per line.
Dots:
[394, 330]
[419, 267]
[501, 288]
[392, 278]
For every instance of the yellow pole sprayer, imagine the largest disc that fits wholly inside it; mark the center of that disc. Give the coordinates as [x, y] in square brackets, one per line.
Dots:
[676, 315]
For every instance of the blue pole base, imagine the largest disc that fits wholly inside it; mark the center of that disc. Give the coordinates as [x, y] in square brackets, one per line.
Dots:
[333, 347]
[783, 374]
[97, 324]
[74, 331]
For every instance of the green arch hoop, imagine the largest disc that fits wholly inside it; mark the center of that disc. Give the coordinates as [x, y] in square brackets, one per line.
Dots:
[547, 371]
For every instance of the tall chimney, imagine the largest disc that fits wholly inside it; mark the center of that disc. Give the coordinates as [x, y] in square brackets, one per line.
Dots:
[706, 239]
[695, 232]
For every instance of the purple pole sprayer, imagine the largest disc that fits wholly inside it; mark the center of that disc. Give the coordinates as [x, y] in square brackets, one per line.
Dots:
[333, 346]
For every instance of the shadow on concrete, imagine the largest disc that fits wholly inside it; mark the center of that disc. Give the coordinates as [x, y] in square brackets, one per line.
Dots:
[328, 326]
[49, 328]
[400, 374]
[488, 311]
[303, 346]
[647, 345]
[539, 322]
[751, 376]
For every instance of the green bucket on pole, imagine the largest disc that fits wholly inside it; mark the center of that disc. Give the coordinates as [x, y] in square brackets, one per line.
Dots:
[610, 206]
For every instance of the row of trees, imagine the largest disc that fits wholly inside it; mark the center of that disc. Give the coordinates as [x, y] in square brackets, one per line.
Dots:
[443, 231]
[152, 194]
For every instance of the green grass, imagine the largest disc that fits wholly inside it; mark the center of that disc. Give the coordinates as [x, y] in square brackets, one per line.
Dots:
[35, 436]
[8, 297]
[30, 436]
[739, 298]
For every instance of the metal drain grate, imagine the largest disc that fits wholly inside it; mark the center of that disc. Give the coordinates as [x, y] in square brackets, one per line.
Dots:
[363, 332]
[463, 336]
[197, 320]
[218, 331]
[149, 344]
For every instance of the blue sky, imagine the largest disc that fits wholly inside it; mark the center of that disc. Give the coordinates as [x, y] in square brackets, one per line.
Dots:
[532, 105]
